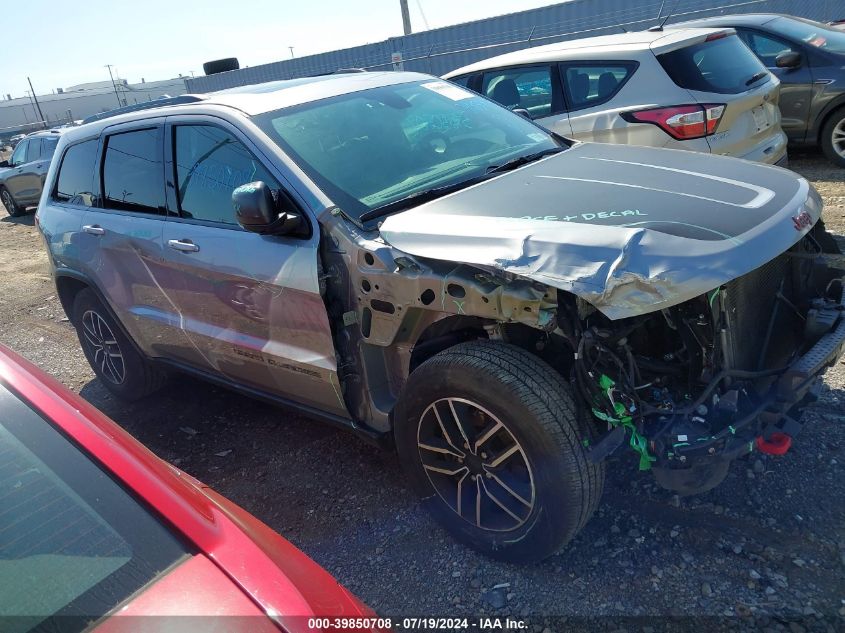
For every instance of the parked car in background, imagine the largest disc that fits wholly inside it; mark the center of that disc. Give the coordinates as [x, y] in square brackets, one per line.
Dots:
[97, 531]
[22, 176]
[404, 258]
[17, 138]
[809, 59]
[694, 89]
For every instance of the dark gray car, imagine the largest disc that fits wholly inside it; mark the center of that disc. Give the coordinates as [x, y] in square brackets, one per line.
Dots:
[22, 176]
[412, 261]
[809, 59]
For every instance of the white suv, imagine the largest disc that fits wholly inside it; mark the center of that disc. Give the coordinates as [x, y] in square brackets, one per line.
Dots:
[695, 89]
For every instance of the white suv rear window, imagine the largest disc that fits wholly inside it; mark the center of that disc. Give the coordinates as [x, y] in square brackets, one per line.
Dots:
[724, 65]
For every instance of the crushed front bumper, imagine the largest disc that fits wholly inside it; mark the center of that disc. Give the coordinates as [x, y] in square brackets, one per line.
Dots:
[701, 463]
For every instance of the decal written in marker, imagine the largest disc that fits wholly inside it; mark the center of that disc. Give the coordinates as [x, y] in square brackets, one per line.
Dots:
[587, 217]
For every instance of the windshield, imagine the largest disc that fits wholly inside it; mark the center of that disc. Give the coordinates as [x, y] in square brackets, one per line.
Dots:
[371, 148]
[812, 33]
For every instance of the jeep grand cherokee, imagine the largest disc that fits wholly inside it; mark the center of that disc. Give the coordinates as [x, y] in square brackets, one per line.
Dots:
[405, 258]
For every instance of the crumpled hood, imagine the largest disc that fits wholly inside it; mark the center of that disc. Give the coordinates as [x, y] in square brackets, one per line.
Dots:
[628, 229]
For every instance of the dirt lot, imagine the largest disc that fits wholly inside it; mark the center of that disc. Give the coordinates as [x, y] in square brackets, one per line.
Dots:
[769, 541]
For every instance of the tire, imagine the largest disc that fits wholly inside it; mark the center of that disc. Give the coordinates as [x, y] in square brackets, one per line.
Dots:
[833, 138]
[490, 383]
[220, 65]
[118, 364]
[12, 207]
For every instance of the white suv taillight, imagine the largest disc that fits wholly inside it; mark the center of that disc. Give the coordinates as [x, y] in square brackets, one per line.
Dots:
[683, 122]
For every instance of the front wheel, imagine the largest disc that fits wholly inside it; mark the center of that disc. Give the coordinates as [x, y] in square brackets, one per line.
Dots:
[490, 438]
[833, 138]
[12, 207]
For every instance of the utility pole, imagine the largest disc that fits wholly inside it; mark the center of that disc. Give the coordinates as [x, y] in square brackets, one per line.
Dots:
[35, 98]
[291, 51]
[113, 85]
[406, 17]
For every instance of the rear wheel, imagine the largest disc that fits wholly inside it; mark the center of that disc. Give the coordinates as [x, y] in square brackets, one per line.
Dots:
[8, 201]
[490, 438]
[118, 365]
[833, 138]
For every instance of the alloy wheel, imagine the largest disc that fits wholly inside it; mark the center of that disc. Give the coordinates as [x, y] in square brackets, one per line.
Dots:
[476, 465]
[8, 202]
[104, 347]
[837, 139]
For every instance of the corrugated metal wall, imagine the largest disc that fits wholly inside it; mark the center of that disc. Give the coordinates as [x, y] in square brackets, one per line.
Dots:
[441, 50]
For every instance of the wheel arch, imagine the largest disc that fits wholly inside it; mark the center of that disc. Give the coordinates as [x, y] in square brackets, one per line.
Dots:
[829, 112]
[70, 283]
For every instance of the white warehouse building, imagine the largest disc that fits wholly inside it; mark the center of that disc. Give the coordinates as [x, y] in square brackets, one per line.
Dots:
[78, 102]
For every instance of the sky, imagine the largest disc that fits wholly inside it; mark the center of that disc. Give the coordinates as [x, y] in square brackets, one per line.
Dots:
[158, 39]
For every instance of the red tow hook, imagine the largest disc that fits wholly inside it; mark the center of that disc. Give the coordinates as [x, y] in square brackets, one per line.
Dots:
[777, 444]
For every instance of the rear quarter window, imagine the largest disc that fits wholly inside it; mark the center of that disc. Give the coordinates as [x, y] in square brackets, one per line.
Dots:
[724, 65]
[75, 182]
[590, 84]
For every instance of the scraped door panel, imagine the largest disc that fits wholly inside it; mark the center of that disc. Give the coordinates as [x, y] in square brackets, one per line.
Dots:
[251, 303]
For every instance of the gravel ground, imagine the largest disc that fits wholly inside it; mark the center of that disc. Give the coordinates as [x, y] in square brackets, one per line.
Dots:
[770, 541]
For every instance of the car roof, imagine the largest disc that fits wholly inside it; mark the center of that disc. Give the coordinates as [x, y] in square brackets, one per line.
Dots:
[56, 132]
[260, 98]
[255, 99]
[635, 41]
[739, 19]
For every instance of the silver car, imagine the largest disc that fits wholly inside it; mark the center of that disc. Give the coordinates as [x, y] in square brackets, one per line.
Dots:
[399, 256]
[695, 89]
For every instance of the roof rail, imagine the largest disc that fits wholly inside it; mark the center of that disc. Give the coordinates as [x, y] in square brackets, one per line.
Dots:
[147, 105]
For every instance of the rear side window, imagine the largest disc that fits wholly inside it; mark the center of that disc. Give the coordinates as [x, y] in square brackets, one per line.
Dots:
[74, 184]
[48, 147]
[527, 88]
[33, 151]
[133, 175]
[724, 65]
[589, 85]
[73, 543]
[210, 164]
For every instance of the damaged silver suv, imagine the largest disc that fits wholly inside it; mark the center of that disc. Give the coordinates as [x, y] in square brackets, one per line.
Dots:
[405, 258]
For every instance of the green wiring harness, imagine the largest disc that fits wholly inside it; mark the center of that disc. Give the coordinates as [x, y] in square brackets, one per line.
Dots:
[637, 442]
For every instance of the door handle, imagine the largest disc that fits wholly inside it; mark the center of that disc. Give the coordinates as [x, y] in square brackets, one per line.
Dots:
[93, 229]
[185, 246]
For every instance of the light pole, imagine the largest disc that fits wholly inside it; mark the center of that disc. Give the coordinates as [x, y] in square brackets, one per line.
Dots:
[32, 105]
[117, 96]
[291, 51]
[35, 98]
[406, 16]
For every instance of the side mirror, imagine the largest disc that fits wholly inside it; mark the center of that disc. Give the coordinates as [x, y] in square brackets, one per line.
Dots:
[259, 211]
[522, 112]
[788, 59]
[4, 163]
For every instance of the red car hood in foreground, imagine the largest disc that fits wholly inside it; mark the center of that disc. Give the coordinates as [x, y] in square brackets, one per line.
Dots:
[242, 568]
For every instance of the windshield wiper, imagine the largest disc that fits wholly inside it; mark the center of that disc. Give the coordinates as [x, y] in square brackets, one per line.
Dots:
[430, 194]
[519, 161]
[418, 198]
[757, 77]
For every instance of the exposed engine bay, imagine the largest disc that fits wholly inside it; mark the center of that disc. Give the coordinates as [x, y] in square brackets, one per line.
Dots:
[691, 387]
